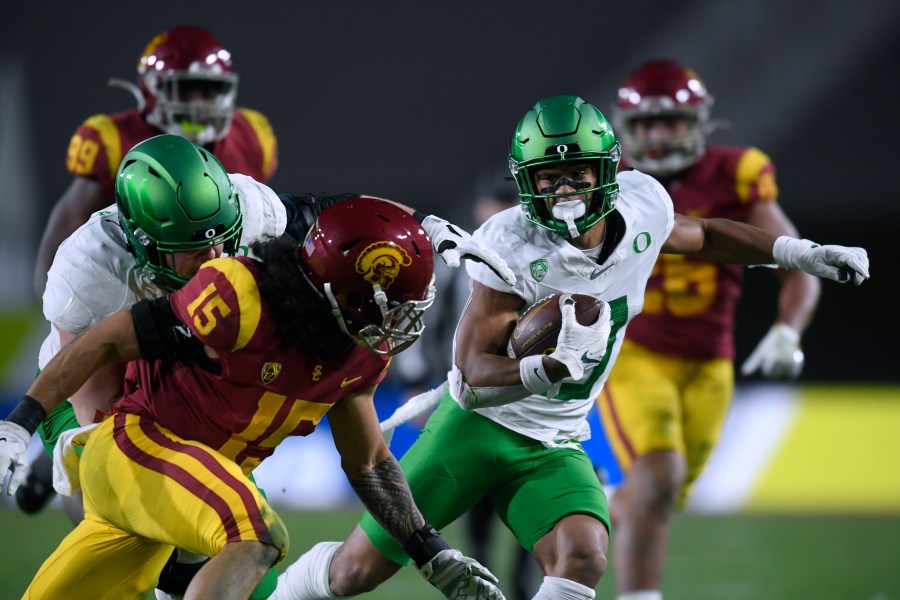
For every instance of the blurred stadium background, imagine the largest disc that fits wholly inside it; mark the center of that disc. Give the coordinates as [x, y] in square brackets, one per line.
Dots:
[412, 101]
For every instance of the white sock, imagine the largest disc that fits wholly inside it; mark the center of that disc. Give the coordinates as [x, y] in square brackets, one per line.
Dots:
[307, 579]
[641, 595]
[557, 588]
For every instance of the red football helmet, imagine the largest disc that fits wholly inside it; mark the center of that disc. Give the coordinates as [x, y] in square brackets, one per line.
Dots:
[188, 85]
[374, 264]
[663, 89]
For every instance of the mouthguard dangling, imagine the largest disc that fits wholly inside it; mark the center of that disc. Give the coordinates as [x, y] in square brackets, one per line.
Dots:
[568, 211]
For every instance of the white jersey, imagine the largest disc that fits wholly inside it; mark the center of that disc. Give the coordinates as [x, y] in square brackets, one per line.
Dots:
[94, 275]
[545, 263]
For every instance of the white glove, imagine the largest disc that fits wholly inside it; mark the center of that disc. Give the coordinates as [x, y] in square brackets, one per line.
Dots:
[460, 578]
[580, 347]
[452, 243]
[13, 445]
[778, 354]
[837, 263]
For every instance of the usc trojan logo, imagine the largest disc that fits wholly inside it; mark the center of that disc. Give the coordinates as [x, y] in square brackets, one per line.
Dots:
[380, 263]
[270, 371]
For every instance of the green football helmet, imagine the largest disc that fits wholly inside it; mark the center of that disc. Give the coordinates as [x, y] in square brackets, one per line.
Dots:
[565, 129]
[175, 196]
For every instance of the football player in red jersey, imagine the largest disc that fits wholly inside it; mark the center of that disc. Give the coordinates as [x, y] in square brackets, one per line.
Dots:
[186, 86]
[666, 399]
[246, 353]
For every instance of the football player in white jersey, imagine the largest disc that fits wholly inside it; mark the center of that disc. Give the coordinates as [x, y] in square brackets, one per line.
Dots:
[176, 208]
[512, 428]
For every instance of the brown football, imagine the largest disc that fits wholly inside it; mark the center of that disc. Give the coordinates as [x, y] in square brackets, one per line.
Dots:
[537, 329]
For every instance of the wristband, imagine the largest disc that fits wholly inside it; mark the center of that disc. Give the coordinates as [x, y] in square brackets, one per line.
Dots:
[534, 376]
[28, 413]
[424, 544]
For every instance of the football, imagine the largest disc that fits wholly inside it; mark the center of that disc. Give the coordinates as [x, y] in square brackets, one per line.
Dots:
[537, 329]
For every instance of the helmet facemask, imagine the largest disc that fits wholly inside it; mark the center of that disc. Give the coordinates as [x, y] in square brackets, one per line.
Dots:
[400, 327]
[157, 257]
[196, 104]
[666, 157]
[558, 211]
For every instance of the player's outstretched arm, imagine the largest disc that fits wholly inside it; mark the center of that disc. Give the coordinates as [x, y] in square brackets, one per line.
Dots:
[779, 354]
[379, 482]
[111, 340]
[726, 241]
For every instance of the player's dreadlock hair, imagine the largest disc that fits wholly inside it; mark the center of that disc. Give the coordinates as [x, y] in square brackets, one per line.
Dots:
[304, 317]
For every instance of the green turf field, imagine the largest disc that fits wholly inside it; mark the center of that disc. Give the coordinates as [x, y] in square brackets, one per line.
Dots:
[712, 558]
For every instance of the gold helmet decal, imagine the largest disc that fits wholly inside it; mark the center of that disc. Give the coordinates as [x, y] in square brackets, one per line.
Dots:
[151, 48]
[380, 263]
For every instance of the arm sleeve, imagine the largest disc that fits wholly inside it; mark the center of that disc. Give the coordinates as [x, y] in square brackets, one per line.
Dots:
[161, 336]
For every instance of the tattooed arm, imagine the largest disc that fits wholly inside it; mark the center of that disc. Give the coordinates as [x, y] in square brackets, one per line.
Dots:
[371, 468]
[378, 481]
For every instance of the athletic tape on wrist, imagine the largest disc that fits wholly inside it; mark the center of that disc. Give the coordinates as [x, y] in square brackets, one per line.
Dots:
[780, 249]
[28, 413]
[534, 376]
[424, 544]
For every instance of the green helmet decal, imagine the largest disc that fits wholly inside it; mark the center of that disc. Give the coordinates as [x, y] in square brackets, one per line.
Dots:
[565, 129]
[175, 196]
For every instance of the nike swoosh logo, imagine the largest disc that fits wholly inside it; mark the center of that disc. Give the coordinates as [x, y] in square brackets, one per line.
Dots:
[347, 382]
[599, 272]
[589, 361]
[538, 375]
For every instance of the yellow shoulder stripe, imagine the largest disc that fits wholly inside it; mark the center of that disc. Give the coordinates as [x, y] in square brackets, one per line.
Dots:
[266, 136]
[247, 294]
[109, 135]
[751, 170]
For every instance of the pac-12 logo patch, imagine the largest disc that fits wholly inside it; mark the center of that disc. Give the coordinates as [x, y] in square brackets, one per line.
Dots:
[270, 371]
[539, 268]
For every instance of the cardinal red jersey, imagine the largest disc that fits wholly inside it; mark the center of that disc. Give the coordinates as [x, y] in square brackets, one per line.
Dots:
[263, 394]
[101, 141]
[689, 302]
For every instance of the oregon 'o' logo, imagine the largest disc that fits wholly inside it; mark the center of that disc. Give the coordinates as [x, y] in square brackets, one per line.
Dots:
[562, 148]
[210, 233]
[379, 263]
[641, 241]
